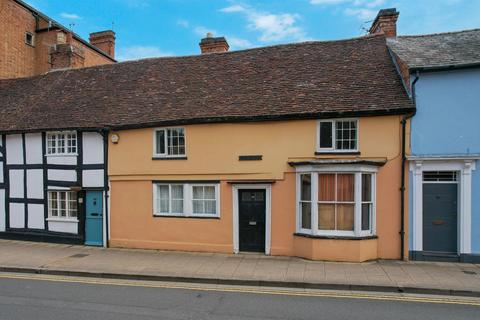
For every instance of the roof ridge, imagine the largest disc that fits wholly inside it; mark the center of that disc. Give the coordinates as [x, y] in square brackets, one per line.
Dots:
[438, 33]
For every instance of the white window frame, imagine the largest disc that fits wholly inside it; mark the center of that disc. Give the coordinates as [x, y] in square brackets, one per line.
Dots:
[334, 136]
[65, 146]
[68, 216]
[357, 171]
[165, 154]
[187, 200]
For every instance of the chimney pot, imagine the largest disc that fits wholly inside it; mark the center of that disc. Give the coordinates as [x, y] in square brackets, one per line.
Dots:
[386, 22]
[211, 44]
[105, 41]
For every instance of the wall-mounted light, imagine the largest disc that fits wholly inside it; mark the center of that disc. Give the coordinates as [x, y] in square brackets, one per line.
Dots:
[115, 138]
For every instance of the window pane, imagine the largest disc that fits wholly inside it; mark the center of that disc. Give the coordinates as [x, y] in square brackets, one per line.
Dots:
[61, 143]
[345, 214]
[53, 204]
[210, 206]
[197, 192]
[63, 204]
[209, 192]
[306, 215]
[366, 187]
[345, 187]
[177, 192]
[326, 133]
[163, 199]
[306, 187]
[72, 204]
[366, 208]
[326, 217]
[198, 206]
[326, 187]
[177, 206]
[176, 141]
[346, 135]
[160, 142]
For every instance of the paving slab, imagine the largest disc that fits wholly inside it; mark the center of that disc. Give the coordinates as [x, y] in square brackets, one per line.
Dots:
[240, 269]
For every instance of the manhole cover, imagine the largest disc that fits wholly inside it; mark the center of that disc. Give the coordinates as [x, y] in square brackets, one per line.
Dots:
[79, 255]
[469, 272]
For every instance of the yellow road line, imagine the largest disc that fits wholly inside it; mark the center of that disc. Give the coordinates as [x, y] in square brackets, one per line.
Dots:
[251, 290]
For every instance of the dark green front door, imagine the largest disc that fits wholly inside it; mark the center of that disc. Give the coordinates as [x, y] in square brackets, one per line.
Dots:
[440, 213]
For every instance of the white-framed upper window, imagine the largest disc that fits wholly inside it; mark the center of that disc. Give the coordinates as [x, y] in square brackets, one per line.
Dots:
[186, 199]
[169, 142]
[336, 203]
[62, 143]
[62, 205]
[337, 135]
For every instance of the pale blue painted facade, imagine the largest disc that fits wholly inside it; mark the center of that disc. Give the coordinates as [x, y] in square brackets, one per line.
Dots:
[447, 123]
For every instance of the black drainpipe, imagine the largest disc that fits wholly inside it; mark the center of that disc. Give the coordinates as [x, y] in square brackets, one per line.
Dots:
[404, 162]
[105, 181]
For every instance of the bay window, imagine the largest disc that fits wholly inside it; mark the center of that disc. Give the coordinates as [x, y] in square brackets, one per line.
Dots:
[336, 203]
[186, 199]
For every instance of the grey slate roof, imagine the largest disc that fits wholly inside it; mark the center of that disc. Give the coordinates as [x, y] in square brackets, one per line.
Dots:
[452, 49]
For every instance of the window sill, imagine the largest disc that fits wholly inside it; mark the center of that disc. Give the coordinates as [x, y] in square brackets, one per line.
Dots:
[345, 153]
[169, 158]
[62, 220]
[62, 155]
[331, 237]
[186, 217]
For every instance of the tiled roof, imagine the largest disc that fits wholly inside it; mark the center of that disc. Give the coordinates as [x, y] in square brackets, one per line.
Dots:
[305, 80]
[453, 49]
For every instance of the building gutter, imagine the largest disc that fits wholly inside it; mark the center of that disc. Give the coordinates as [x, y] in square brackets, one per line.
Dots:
[403, 178]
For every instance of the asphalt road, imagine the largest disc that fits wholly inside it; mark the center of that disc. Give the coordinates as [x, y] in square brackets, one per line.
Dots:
[39, 297]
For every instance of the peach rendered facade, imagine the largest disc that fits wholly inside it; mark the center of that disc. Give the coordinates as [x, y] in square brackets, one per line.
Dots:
[293, 188]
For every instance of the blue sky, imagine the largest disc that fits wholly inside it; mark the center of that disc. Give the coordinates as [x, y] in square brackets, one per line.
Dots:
[147, 28]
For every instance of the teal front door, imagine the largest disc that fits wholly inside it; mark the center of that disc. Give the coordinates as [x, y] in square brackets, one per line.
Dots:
[94, 218]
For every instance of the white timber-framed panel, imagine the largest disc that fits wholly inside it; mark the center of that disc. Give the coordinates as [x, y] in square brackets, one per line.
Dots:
[17, 215]
[35, 184]
[14, 149]
[464, 168]
[36, 217]
[2, 210]
[93, 178]
[62, 175]
[33, 148]
[268, 213]
[92, 148]
[16, 183]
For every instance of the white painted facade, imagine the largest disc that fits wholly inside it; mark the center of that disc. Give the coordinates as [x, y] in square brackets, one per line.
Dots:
[28, 172]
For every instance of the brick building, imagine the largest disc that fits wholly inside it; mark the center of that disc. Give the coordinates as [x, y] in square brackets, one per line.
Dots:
[32, 43]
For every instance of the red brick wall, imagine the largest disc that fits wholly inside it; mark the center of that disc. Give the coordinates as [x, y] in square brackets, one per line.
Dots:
[17, 59]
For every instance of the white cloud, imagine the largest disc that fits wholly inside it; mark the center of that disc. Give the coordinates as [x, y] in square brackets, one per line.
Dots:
[239, 43]
[140, 52]
[362, 13]
[272, 27]
[367, 3]
[233, 8]
[183, 23]
[71, 16]
[327, 2]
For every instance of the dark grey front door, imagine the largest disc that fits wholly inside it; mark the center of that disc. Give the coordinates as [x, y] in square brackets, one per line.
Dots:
[251, 220]
[440, 213]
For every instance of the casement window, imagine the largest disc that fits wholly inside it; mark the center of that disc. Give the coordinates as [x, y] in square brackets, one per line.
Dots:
[29, 39]
[336, 203]
[62, 143]
[62, 205]
[337, 135]
[186, 199]
[169, 142]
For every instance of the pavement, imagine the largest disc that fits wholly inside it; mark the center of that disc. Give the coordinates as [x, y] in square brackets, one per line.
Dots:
[443, 278]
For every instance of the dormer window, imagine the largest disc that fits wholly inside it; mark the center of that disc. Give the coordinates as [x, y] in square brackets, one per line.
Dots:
[337, 135]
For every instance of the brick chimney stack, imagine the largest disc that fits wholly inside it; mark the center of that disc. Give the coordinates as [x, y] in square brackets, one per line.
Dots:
[105, 41]
[211, 44]
[64, 54]
[386, 22]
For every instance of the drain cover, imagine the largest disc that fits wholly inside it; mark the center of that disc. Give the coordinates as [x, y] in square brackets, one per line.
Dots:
[79, 255]
[469, 272]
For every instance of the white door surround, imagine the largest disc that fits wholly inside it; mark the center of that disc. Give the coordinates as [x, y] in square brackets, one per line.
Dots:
[464, 167]
[268, 213]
